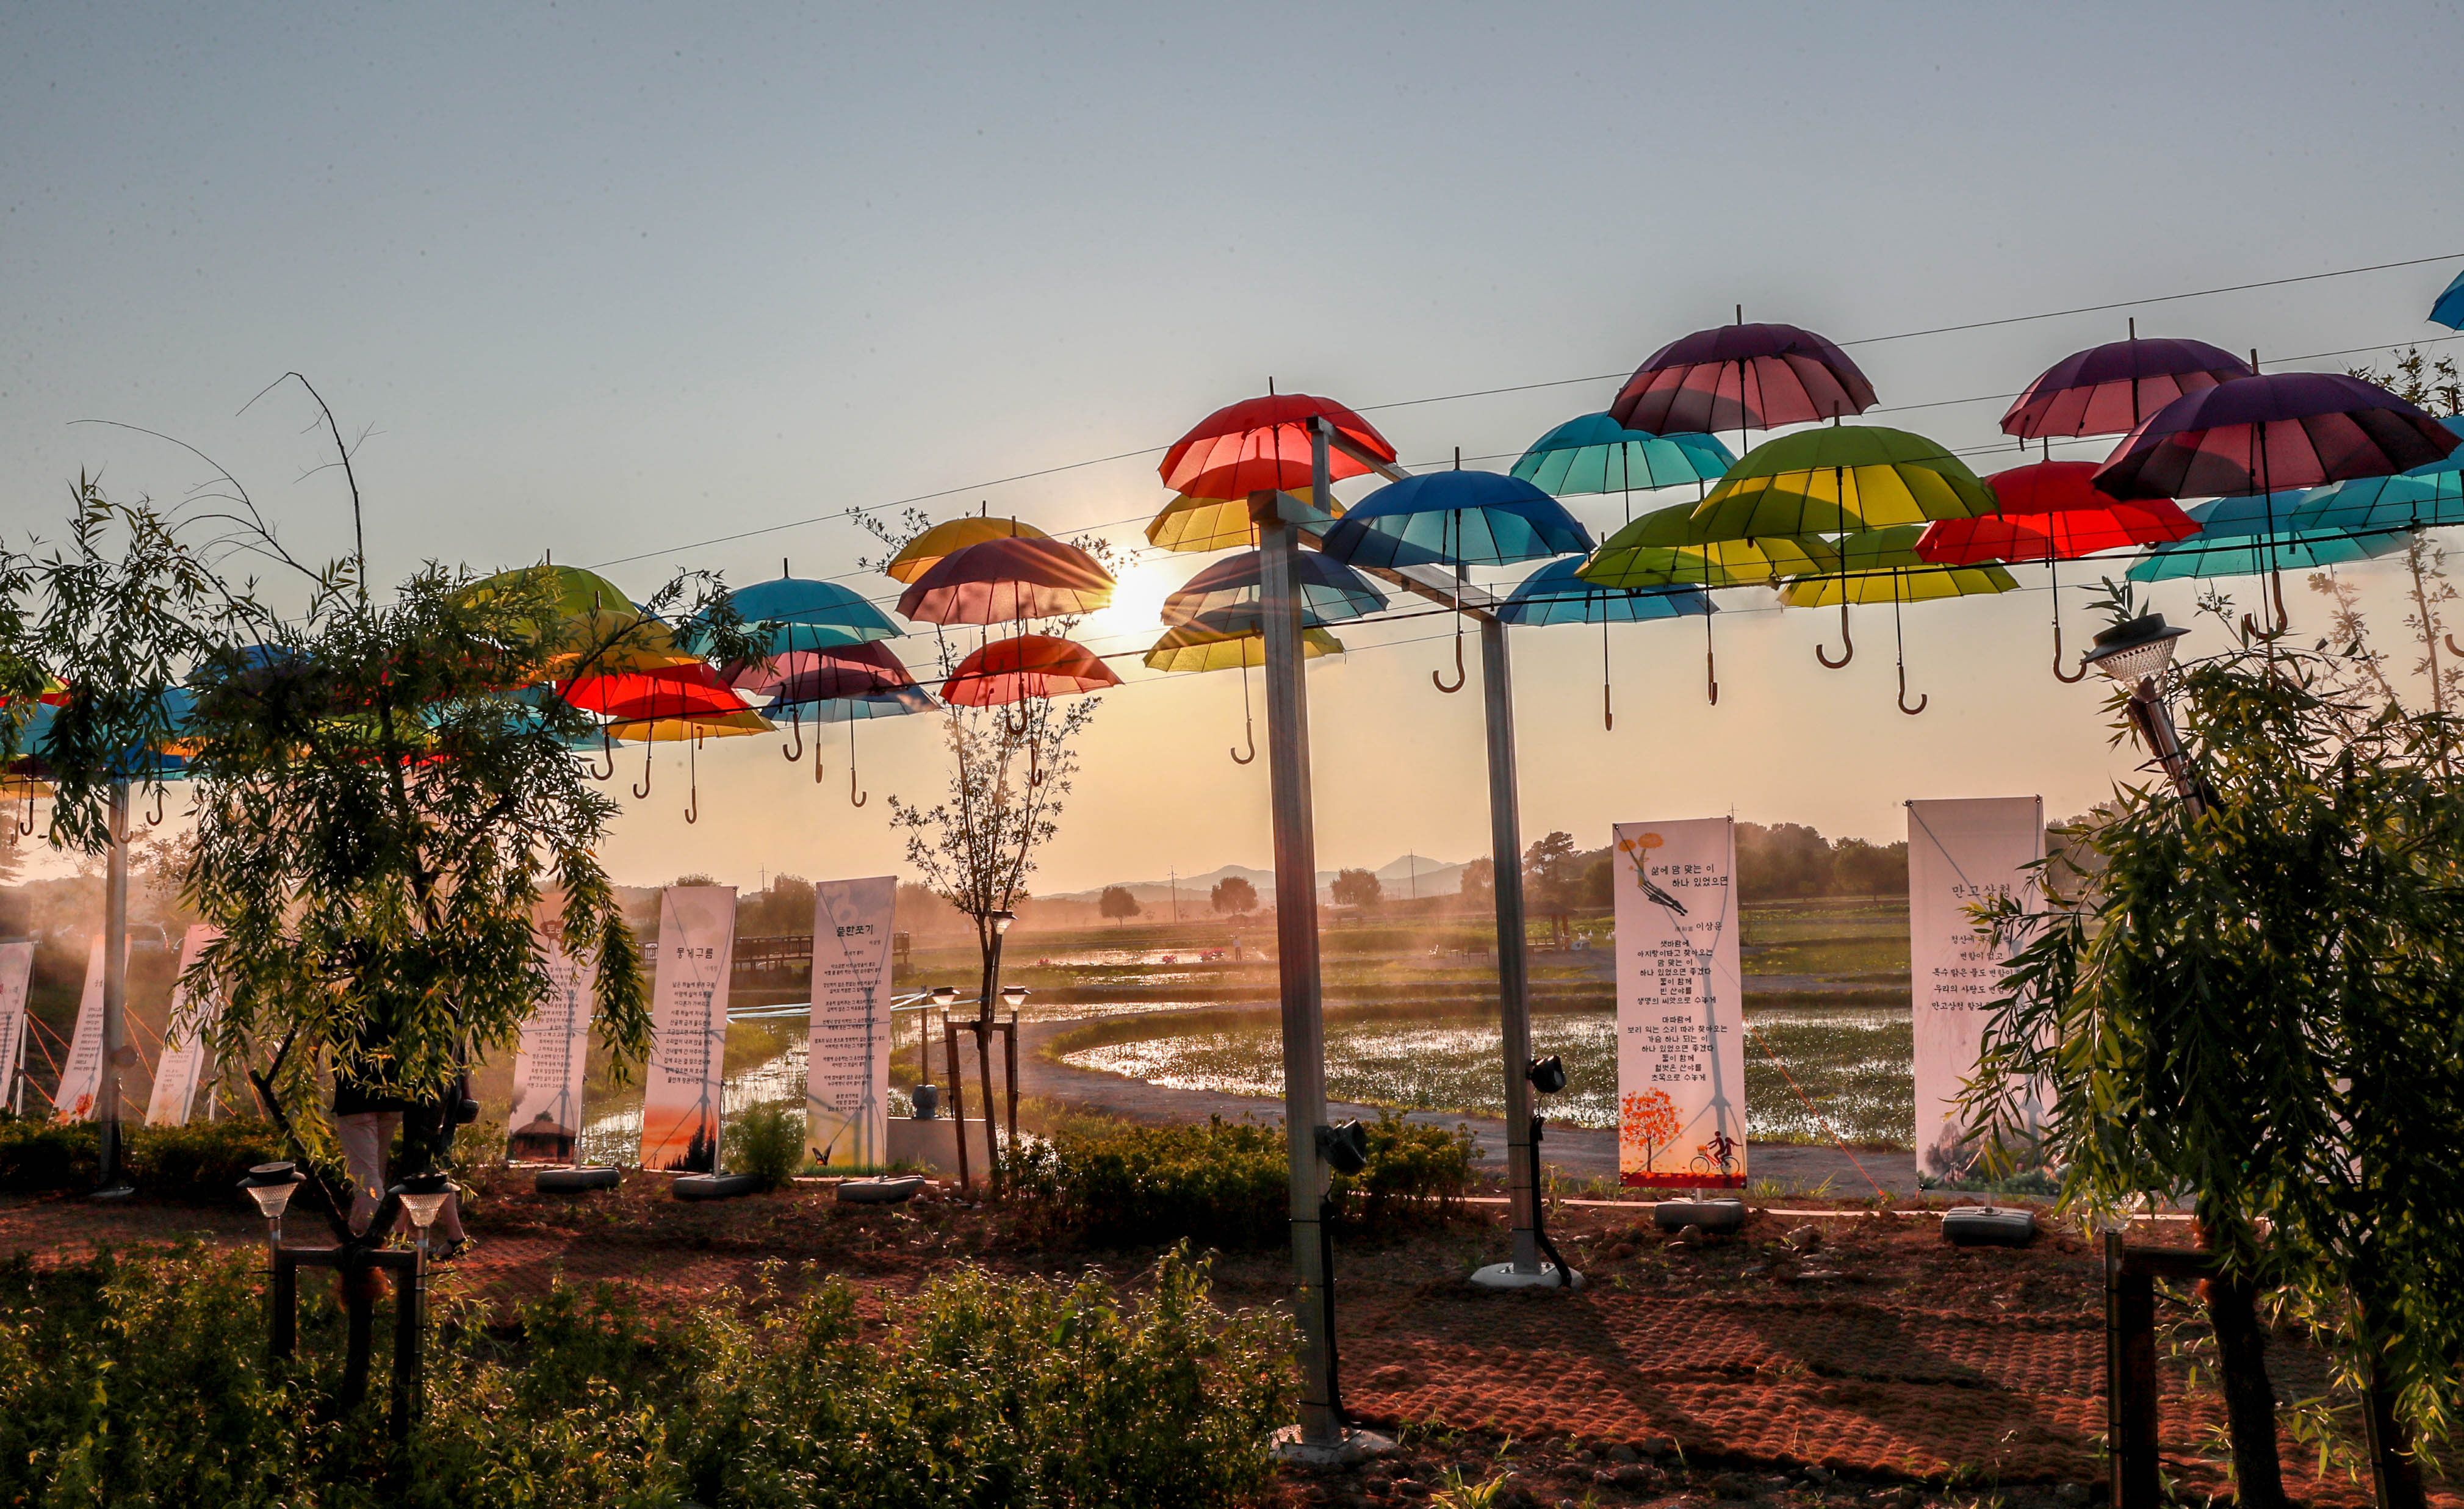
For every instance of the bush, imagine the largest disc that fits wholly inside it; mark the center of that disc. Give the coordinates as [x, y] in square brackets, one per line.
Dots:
[1223, 1183]
[38, 1156]
[136, 1381]
[767, 1142]
[200, 1162]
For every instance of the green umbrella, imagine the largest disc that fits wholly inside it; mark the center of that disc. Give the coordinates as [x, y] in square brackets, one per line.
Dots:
[1652, 551]
[1836, 481]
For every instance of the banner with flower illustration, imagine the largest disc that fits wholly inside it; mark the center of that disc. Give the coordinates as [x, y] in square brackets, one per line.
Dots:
[682, 1087]
[80, 1085]
[1680, 1041]
[1960, 853]
[554, 1052]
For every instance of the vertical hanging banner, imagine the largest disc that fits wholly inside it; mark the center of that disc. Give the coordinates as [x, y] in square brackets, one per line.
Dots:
[846, 1073]
[182, 1067]
[81, 1074]
[549, 1063]
[1960, 853]
[681, 1086]
[1680, 1042]
[16, 969]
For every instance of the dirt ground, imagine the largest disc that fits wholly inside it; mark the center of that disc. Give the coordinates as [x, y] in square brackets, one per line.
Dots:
[1814, 1361]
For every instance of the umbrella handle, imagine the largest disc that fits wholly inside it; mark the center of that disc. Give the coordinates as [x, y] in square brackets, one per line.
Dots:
[25, 823]
[642, 790]
[154, 818]
[1250, 732]
[1847, 640]
[855, 798]
[1710, 662]
[607, 747]
[1438, 679]
[2450, 645]
[2079, 674]
[1922, 699]
[798, 753]
[1248, 724]
[692, 802]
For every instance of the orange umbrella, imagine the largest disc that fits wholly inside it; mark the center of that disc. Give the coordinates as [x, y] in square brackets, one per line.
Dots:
[1013, 670]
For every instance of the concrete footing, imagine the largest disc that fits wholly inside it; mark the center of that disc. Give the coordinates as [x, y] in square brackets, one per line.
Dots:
[1502, 1275]
[1355, 1446]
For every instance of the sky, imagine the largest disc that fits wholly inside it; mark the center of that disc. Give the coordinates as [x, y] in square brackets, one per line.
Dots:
[650, 288]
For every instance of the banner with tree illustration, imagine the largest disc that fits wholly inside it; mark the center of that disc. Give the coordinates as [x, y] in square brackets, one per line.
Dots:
[73, 1099]
[683, 1082]
[1681, 1044]
[182, 1067]
[1960, 853]
[545, 1123]
[846, 1074]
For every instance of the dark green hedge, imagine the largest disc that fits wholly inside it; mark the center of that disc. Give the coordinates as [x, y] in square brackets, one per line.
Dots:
[200, 1162]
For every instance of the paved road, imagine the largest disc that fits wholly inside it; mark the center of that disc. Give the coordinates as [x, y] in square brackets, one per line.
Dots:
[1575, 1153]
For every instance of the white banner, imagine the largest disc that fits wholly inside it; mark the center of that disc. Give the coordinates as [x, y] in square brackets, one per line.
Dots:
[554, 1053]
[81, 1075]
[183, 1064]
[846, 1074]
[16, 969]
[681, 1088]
[1681, 1027]
[1960, 853]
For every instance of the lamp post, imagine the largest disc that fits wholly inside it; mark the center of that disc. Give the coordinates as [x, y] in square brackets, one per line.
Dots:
[423, 1195]
[2135, 653]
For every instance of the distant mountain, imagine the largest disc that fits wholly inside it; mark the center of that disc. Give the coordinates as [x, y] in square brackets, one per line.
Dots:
[1413, 874]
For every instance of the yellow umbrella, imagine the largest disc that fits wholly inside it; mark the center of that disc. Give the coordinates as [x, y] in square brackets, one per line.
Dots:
[1190, 647]
[1837, 480]
[597, 629]
[1649, 553]
[1883, 566]
[1196, 523]
[921, 553]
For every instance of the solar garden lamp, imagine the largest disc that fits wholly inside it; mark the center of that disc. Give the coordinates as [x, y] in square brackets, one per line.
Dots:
[1344, 1146]
[1014, 996]
[2135, 653]
[944, 995]
[423, 1195]
[270, 1185]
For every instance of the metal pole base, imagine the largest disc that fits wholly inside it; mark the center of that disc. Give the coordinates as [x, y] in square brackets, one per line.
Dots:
[1505, 1276]
[1287, 1444]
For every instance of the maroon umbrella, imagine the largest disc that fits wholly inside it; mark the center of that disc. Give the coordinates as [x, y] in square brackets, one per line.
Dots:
[1001, 579]
[816, 675]
[1740, 376]
[2108, 389]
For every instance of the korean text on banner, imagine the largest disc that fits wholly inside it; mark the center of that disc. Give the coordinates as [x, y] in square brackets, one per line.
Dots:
[554, 1053]
[183, 1064]
[81, 1074]
[1960, 853]
[16, 969]
[847, 1075]
[683, 1082]
[1681, 1044]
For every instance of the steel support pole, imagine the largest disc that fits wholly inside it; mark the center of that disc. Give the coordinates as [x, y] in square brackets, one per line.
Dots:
[107, 1101]
[1513, 970]
[1296, 961]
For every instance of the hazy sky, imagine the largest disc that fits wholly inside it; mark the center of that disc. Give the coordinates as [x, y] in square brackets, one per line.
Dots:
[610, 281]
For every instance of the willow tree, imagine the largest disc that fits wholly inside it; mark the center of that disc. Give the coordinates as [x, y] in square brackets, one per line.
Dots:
[2257, 1004]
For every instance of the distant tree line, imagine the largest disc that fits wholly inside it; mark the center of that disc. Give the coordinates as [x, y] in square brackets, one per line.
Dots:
[1782, 861]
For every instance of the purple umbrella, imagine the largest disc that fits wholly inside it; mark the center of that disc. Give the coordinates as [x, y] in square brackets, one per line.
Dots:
[2108, 389]
[998, 580]
[1741, 376]
[793, 680]
[2266, 435]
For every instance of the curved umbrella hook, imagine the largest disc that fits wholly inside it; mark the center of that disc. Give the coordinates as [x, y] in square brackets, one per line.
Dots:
[154, 818]
[25, 823]
[607, 747]
[1438, 679]
[854, 797]
[2060, 675]
[1248, 721]
[796, 716]
[642, 790]
[1710, 657]
[1846, 638]
[1607, 703]
[2450, 645]
[1898, 634]
[693, 764]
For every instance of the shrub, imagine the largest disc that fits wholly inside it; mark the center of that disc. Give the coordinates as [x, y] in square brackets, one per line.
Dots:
[767, 1142]
[38, 1156]
[200, 1162]
[1224, 1183]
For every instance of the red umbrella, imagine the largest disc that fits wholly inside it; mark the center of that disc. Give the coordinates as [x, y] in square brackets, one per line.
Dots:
[2265, 434]
[2051, 511]
[1261, 444]
[1003, 579]
[793, 680]
[1739, 377]
[2108, 389]
[675, 691]
[1010, 670]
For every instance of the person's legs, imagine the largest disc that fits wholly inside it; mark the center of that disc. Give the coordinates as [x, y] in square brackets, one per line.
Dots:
[366, 1135]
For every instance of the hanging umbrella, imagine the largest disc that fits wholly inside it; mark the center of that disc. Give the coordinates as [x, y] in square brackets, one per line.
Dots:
[2448, 311]
[1003, 580]
[803, 614]
[1456, 518]
[2051, 511]
[1195, 523]
[1262, 443]
[599, 626]
[2251, 535]
[789, 682]
[2426, 497]
[1835, 480]
[1010, 670]
[919, 554]
[1554, 594]
[1882, 566]
[1224, 596]
[1742, 376]
[1639, 555]
[1193, 648]
[897, 702]
[2262, 434]
[657, 707]
[1594, 453]
[2108, 389]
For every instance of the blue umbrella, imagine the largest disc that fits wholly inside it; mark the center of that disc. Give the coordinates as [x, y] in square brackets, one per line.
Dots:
[1224, 596]
[2251, 535]
[1554, 595]
[803, 614]
[892, 703]
[1456, 518]
[2448, 311]
[2368, 504]
[1596, 455]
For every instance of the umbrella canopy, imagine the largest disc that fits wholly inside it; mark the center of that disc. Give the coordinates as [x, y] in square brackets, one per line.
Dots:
[1456, 518]
[921, 553]
[699, 726]
[1838, 479]
[2285, 429]
[677, 691]
[1010, 670]
[2448, 311]
[1224, 598]
[1596, 455]
[602, 628]
[2052, 511]
[1740, 376]
[2259, 555]
[2373, 504]
[1554, 594]
[1626, 560]
[2108, 389]
[803, 614]
[1261, 444]
[1910, 583]
[1003, 580]
[818, 675]
[896, 703]
[1191, 648]
[1193, 523]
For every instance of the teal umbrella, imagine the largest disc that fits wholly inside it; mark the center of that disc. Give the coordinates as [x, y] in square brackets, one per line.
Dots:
[1554, 594]
[2368, 505]
[1594, 453]
[800, 613]
[2255, 534]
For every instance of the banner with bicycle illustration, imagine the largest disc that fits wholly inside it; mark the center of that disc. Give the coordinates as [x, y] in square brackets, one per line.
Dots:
[1960, 853]
[1680, 1042]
